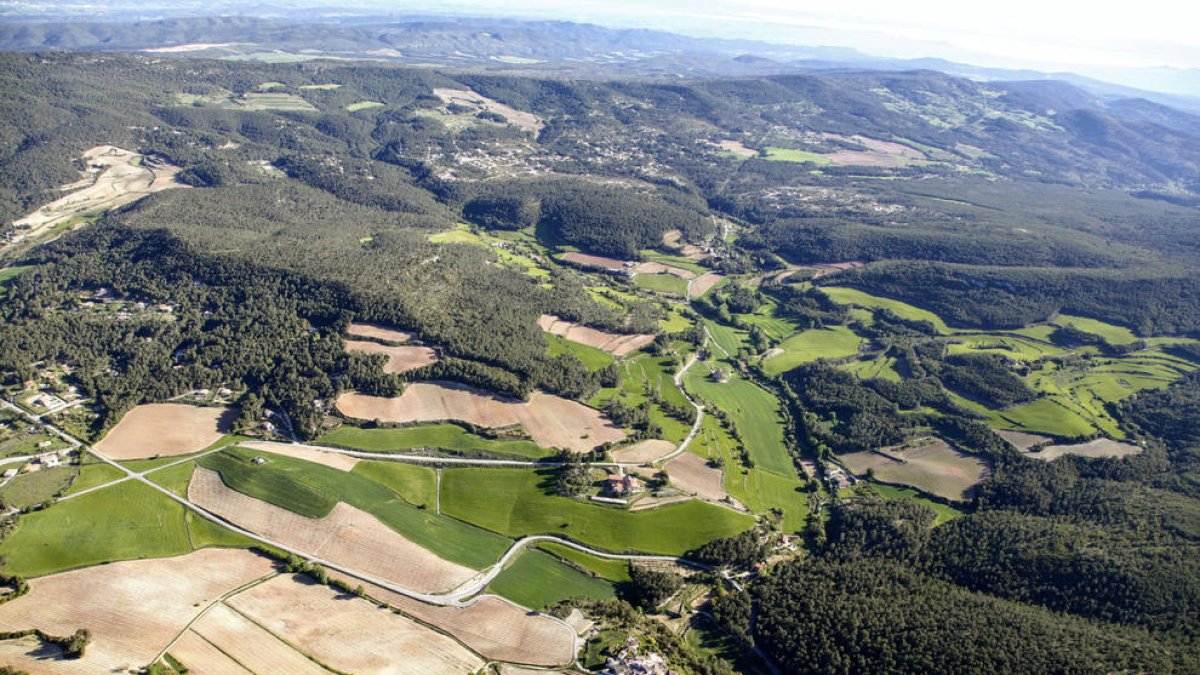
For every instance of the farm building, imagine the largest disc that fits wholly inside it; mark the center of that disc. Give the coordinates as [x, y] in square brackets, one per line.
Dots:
[621, 485]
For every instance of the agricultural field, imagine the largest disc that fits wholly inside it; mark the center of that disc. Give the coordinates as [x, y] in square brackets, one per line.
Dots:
[593, 358]
[313, 491]
[165, 430]
[705, 283]
[551, 421]
[224, 640]
[934, 468]
[665, 284]
[641, 375]
[605, 568]
[399, 359]
[851, 296]
[833, 343]
[415, 484]
[138, 522]
[537, 579]
[790, 155]
[643, 452]
[755, 413]
[1100, 447]
[134, 609]
[944, 512]
[34, 487]
[448, 437]
[346, 536]
[516, 502]
[93, 475]
[493, 627]
[614, 343]
[691, 473]
[322, 622]
[376, 332]
[363, 105]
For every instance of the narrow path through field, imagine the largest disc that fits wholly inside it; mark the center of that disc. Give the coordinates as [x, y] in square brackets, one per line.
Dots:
[208, 608]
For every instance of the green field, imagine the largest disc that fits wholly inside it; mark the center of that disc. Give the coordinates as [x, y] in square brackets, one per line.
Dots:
[127, 521]
[1013, 346]
[593, 358]
[537, 580]
[878, 367]
[92, 475]
[275, 101]
[1117, 335]
[728, 339]
[944, 511]
[654, 372]
[755, 413]
[448, 437]
[674, 261]
[415, 484]
[789, 155]
[517, 502]
[313, 489]
[1048, 416]
[820, 343]
[322, 87]
[852, 296]
[662, 283]
[606, 568]
[175, 478]
[35, 487]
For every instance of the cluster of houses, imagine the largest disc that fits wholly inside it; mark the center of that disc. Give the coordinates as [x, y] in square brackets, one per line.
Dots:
[45, 460]
[631, 660]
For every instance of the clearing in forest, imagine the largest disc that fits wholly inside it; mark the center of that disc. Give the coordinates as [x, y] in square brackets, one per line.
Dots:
[518, 118]
[692, 473]
[613, 343]
[376, 332]
[705, 283]
[114, 177]
[552, 421]
[1100, 447]
[1023, 441]
[492, 626]
[165, 430]
[348, 536]
[399, 359]
[350, 634]
[934, 468]
[133, 609]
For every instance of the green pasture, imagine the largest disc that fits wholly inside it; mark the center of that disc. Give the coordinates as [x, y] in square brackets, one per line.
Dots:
[790, 155]
[755, 413]
[593, 358]
[312, 490]
[606, 568]
[662, 283]
[837, 342]
[537, 580]
[518, 502]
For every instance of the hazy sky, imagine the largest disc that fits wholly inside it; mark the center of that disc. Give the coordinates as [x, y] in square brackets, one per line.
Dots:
[1034, 33]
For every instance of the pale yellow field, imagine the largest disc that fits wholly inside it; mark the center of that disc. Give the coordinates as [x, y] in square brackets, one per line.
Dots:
[493, 627]
[616, 344]
[350, 634]
[347, 536]
[133, 609]
[1101, 447]
[201, 657]
[165, 430]
[692, 473]
[1021, 440]
[552, 421]
[399, 359]
[370, 330]
[250, 645]
[333, 460]
[935, 468]
[519, 118]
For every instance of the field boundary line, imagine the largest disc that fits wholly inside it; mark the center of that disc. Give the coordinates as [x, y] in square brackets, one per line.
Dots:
[207, 608]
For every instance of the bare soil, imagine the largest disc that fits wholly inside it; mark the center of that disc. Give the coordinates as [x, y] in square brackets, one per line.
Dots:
[370, 330]
[616, 344]
[935, 468]
[1023, 441]
[166, 430]
[551, 421]
[518, 118]
[704, 283]
[251, 645]
[332, 460]
[399, 359]
[493, 627]
[690, 472]
[133, 609]
[595, 261]
[347, 536]
[350, 634]
[1101, 447]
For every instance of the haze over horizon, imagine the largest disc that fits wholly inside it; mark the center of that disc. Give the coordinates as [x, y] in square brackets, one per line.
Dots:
[1149, 46]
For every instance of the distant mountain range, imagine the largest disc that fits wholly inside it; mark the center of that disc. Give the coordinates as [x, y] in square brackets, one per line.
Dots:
[507, 45]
